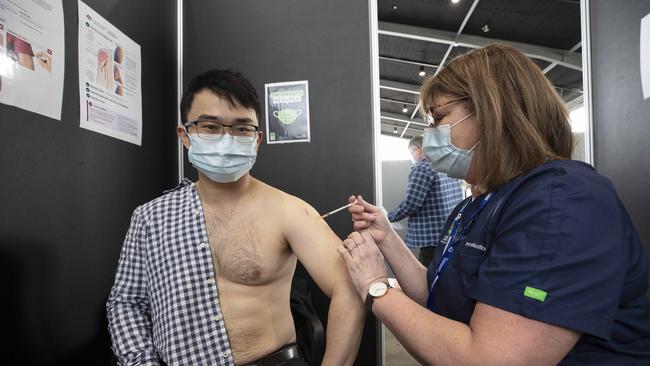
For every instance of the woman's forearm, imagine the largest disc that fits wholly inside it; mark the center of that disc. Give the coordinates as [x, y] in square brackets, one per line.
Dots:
[410, 273]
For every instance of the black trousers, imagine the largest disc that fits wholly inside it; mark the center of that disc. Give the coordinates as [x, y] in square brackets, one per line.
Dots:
[279, 358]
[294, 362]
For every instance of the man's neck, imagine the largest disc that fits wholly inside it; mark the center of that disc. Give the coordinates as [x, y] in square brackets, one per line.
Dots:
[214, 193]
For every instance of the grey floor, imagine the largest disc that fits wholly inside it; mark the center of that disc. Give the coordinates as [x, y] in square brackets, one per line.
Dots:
[395, 354]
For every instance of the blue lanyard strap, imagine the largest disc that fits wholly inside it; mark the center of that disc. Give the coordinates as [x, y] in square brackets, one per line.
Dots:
[452, 240]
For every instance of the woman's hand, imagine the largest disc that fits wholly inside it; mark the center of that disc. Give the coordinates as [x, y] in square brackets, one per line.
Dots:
[371, 219]
[364, 261]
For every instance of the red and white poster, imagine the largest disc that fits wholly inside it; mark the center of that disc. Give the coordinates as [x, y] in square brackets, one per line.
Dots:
[32, 51]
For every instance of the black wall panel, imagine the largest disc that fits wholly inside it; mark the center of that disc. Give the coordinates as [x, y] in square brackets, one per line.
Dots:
[621, 115]
[67, 195]
[327, 43]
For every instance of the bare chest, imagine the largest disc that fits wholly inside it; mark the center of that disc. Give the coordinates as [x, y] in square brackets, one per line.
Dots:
[246, 249]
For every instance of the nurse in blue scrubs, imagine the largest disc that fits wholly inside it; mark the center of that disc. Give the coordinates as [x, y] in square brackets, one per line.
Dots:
[540, 266]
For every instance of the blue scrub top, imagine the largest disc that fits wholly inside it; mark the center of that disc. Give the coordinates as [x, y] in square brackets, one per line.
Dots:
[555, 245]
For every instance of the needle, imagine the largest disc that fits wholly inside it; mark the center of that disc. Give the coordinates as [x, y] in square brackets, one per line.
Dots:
[338, 209]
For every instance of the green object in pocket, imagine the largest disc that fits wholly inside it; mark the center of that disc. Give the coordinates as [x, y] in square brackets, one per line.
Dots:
[534, 293]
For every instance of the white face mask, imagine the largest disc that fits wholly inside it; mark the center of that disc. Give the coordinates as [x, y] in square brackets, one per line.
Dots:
[222, 159]
[443, 155]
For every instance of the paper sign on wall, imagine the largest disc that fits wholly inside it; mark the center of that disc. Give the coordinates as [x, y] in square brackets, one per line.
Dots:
[32, 55]
[110, 92]
[287, 112]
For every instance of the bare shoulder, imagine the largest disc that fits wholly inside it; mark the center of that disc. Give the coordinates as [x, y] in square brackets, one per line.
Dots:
[285, 205]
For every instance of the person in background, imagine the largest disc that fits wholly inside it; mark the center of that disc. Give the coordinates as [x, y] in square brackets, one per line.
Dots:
[540, 266]
[430, 197]
[205, 272]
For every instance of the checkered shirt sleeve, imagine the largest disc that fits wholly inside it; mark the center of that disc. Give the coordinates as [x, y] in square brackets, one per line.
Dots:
[164, 305]
[430, 198]
[419, 184]
[128, 309]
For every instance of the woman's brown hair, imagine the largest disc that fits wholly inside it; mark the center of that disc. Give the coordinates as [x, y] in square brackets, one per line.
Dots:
[523, 121]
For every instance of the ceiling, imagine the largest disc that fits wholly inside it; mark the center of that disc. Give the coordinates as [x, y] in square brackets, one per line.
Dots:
[415, 34]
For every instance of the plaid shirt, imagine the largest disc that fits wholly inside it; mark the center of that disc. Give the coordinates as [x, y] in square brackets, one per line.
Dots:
[164, 304]
[430, 198]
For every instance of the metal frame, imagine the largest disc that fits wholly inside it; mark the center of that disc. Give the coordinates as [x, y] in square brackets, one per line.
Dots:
[556, 57]
[571, 50]
[566, 58]
[586, 81]
[398, 86]
[444, 58]
[179, 83]
[460, 30]
[401, 60]
[571, 61]
[376, 133]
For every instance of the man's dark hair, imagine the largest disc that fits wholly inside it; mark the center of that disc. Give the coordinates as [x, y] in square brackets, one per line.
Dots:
[227, 84]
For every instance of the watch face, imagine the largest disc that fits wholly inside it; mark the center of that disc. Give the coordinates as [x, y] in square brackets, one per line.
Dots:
[377, 289]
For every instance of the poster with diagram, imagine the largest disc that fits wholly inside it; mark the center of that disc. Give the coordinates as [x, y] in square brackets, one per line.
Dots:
[110, 92]
[32, 51]
[287, 112]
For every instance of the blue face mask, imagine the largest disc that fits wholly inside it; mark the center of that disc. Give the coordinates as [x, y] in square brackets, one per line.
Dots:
[443, 156]
[222, 159]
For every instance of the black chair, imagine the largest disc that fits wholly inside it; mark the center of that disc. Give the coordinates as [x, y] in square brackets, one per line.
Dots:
[310, 334]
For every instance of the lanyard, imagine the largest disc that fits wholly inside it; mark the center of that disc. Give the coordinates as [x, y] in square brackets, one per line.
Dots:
[452, 240]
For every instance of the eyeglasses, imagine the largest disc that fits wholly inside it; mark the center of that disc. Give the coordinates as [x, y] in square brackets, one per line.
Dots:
[432, 119]
[211, 130]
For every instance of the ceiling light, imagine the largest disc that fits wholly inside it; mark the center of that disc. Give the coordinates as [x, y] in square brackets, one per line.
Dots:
[455, 1]
[394, 7]
[394, 129]
[405, 109]
[422, 72]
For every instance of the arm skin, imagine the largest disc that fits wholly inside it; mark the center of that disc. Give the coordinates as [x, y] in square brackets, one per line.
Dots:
[410, 273]
[493, 336]
[314, 243]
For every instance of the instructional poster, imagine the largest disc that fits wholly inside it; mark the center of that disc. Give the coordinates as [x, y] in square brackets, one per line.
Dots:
[287, 112]
[110, 91]
[32, 50]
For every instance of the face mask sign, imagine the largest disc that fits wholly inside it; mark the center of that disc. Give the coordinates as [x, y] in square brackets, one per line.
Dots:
[443, 156]
[222, 159]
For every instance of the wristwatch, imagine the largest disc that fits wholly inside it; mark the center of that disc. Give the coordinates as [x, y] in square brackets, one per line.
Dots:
[376, 290]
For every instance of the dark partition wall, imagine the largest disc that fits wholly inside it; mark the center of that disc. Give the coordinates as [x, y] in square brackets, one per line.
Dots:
[326, 43]
[621, 115]
[67, 195]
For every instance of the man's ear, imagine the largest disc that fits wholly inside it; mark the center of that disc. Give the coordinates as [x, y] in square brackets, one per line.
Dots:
[182, 135]
[260, 134]
[421, 153]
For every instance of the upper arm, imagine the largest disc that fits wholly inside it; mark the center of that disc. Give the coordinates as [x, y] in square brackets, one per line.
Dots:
[314, 243]
[501, 337]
